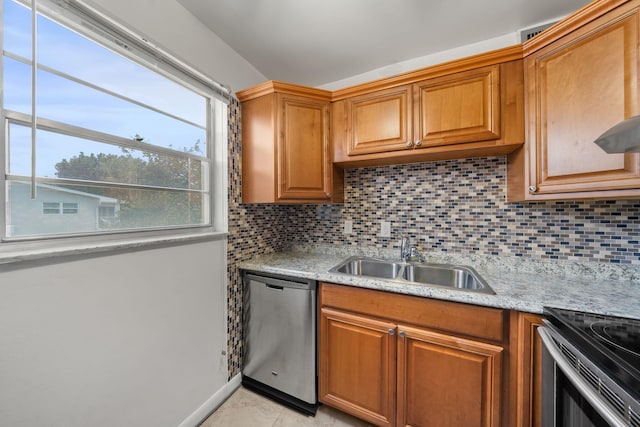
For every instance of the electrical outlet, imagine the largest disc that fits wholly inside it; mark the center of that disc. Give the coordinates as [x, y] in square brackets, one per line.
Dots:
[348, 227]
[385, 229]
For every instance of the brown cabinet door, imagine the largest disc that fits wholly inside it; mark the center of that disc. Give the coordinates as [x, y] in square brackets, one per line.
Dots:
[380, 121]
[448, 381]
[304, 160]
[578, 87]
[357, 363]
[462, 107]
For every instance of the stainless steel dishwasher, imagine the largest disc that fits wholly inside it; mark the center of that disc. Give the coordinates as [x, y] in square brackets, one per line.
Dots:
[279, 322]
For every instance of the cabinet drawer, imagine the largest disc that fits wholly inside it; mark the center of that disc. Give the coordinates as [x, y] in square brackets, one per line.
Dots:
[470, 320]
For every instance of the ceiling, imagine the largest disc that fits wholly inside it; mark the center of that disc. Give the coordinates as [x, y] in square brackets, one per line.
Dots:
[314, 42]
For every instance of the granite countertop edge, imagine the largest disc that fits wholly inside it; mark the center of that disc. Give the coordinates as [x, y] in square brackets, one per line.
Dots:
[518, 285]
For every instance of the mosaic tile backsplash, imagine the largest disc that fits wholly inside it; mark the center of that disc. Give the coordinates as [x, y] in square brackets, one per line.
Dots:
[460, 206]
[450, 206]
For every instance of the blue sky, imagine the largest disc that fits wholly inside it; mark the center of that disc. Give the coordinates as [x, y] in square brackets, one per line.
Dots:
[65, 101]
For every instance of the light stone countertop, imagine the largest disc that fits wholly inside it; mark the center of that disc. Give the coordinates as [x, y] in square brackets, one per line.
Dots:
[519, 284]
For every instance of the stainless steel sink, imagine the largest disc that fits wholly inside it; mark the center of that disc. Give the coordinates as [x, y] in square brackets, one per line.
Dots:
[440, 275]
[450, 276]
[360, 266]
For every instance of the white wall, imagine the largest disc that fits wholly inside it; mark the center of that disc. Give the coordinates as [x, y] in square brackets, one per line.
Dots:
[128, 339]
[133, 339]
[171, 26]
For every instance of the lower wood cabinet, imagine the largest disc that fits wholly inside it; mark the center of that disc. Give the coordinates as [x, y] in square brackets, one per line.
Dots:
[445, 380]
[397, 360]
[358, 365]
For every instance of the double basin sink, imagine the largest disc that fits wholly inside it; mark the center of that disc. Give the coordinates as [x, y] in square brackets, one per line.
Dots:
[440, 275]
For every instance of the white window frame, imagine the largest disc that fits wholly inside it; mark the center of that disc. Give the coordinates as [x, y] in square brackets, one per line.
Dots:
[106, 31]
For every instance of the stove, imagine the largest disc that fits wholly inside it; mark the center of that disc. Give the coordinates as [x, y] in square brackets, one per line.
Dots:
[610, 342]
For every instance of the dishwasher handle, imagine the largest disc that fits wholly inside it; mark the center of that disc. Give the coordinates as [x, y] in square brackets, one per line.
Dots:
[277, 283]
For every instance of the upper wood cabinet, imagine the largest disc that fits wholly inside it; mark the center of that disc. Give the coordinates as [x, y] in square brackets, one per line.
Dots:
[286, 150]
[379, 121]
[464, 107]
[457, 111]
[581, 78]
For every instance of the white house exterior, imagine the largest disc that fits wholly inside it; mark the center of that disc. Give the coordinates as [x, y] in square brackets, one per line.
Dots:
[57, 210]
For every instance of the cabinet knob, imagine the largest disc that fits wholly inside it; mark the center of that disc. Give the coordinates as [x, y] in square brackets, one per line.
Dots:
[533, 189]
[329, 195]
[409, 143]
[402, 334]
[418, 143]
[391, 331]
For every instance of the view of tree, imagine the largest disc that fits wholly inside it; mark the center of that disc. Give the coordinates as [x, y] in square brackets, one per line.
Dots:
[142, 207]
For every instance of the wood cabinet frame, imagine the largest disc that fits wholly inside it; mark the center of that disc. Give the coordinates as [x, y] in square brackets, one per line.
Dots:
[526, 369]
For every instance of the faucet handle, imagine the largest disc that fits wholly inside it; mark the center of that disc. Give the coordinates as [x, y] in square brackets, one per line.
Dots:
[414, 253]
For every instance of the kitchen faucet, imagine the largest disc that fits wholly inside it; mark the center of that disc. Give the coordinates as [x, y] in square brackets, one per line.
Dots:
[405, 249]
[408, 252]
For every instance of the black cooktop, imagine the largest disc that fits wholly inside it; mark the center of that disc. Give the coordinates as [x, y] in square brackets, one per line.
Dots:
[611, 342]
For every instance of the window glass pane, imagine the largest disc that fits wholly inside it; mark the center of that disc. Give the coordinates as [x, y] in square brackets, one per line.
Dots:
[17, 86]
[65, 101]
[16, 25]
[102, 67]
[96, 64]
[19, 150]
[128, 209]
[63, 156]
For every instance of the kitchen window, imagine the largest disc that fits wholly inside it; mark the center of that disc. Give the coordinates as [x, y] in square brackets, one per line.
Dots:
[94, 113]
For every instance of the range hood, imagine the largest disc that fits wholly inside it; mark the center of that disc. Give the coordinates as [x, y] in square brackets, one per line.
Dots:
[622, 138]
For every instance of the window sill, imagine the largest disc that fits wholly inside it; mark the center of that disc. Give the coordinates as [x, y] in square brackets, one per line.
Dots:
[11, 256]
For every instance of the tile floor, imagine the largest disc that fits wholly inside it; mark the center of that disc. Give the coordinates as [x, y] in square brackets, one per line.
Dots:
[248, 409]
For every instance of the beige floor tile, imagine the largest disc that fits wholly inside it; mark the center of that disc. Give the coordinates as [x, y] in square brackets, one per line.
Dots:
[325, 417]
[245, 409]
[248, 409]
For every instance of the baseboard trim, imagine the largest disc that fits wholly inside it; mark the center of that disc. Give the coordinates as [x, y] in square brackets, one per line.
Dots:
[203, 412]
